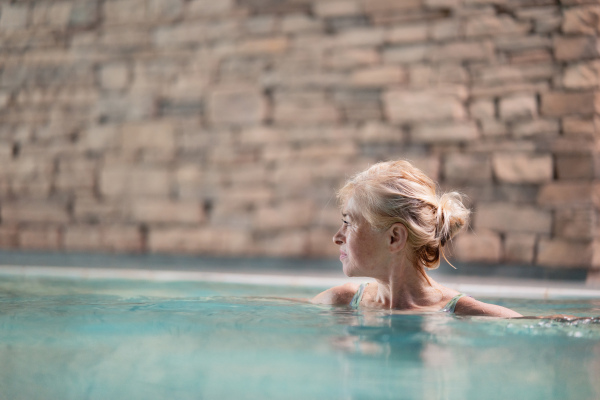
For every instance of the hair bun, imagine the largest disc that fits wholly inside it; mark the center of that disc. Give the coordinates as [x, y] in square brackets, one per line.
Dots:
[452, 216]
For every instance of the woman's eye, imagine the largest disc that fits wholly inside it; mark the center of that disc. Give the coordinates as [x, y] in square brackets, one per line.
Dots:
[345, 222]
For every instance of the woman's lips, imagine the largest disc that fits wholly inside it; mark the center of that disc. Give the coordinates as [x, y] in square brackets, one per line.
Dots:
[343, 255]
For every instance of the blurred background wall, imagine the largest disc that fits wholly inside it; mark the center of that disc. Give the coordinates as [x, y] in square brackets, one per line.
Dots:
[223, 127]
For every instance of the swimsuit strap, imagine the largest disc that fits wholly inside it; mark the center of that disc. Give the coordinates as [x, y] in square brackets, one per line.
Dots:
[449, 308]
[358, 296]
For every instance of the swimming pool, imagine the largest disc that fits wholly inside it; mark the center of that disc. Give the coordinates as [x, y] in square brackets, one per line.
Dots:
[66, 338]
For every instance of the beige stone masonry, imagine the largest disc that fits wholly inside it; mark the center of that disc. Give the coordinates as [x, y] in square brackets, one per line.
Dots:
[225, 127]
[480, 246]
[564, 254]
[519, 248]
[500, 217]
[523, 167]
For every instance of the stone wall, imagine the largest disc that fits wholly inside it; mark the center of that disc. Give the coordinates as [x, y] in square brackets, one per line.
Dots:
[224, 127]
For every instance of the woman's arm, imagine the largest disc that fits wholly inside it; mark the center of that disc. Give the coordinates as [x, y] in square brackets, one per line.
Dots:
[338, 295]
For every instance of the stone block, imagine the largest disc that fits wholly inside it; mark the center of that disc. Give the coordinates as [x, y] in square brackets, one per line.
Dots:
[162, 211]
[402, 106]
[378, 76]
[518, 107]
[519, 248]
[118, 180]
[565, 194]
[376, 132]
[362, 104]
[89, 210]
[577, 48]
[387, 6]
[301, 112]
[478, 246]
[536, 127]
[124, 11]
[422, 75]
[261, 25]
[462, 52]
[577, 126]
[497, 74]
[462, 169]
[512, 43]
[9, 237]
[563, 253]
[30, 175]
[114, 76]
[336, 8]
[285, 244]
[360, 37]
[52, 15]
[43, 212]
[153, 140]
[351, 58]
[98, 138]
[490, 25]
[209, 8]
[558, 104]
[406, 34]
[76, 175]
[13, 16]
[582, 20]
[493, 128]
[575, 167]
[407, 54]
[165, 10]
[300, 23]
[268, 45]
[445, 29]
[451, 132]
[101, 238]
[575, 223]
[531, 56]
[278, 217]
[523, 167]
[499, 89]
[49, 238]
[241, 105]
[582, 75]
[208, 241]
[504, 217]
[482, 109]
[84, 14]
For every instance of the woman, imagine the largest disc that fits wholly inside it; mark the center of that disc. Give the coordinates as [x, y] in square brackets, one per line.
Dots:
[394, 228]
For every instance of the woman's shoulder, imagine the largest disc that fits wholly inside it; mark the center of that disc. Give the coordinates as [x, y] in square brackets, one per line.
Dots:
[467, 305]
[337, 295]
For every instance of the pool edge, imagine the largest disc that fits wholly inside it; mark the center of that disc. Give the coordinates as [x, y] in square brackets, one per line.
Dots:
[473, 288]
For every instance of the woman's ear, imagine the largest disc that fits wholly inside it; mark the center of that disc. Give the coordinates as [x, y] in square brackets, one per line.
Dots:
[398, 236]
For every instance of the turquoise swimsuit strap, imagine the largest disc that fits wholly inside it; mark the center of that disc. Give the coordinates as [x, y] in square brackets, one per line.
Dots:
[358, 296]
[449, 308]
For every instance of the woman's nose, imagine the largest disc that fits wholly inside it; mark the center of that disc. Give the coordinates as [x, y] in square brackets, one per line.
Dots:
[338, 238]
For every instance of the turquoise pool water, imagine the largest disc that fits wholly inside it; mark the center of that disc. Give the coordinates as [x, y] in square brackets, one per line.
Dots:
[116, 339]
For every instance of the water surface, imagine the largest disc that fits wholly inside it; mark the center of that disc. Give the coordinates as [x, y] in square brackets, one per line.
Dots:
[98, 339]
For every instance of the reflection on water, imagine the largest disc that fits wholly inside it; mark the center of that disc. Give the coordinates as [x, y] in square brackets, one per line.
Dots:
[113, 339]
[438, 355]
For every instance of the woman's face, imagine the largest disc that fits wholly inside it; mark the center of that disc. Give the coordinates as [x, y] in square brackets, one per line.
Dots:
[363, 250]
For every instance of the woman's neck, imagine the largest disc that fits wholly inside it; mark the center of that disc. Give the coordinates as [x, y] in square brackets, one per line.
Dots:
[406, 288]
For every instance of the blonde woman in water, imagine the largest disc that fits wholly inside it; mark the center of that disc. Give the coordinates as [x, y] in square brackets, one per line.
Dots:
[394, 228]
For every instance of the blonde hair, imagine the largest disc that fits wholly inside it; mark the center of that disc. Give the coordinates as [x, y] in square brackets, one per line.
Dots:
[395, 191]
